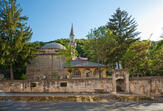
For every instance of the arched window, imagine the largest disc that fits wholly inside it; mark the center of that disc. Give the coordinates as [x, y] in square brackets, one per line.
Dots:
[76, 73]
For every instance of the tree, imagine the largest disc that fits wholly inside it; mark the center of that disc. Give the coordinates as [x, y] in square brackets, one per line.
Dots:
[67, 53]
[29, 51]
[136, 59]
[14, 33]
[80, 47]
[156, 56]
[124, 27]
[101, 46]
[62, 41]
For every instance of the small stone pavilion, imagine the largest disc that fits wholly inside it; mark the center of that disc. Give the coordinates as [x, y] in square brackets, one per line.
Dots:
[84, 69]
[50, 63]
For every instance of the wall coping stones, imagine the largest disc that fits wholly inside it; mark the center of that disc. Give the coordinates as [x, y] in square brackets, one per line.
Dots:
[145, 78]
[85, 79]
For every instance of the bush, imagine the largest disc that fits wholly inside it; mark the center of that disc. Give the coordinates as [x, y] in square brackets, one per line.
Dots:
[24, 77]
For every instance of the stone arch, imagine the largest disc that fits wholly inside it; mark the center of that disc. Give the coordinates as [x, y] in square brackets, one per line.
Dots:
[96, 73]
[88, 73]
[120, 80]
[120, 85]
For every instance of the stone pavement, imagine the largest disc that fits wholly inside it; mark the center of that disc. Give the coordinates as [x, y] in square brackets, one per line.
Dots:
[73, 106]
[62, 94]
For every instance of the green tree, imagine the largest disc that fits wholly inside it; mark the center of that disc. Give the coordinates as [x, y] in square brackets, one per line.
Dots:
[67, 53]
[14, 33]
[62, 41]
[80, 47]
[124, 27]
[156, 56]
[136, 59]
[100, 46]
[29, 51]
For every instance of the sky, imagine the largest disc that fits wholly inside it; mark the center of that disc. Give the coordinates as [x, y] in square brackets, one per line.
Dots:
[52, 19]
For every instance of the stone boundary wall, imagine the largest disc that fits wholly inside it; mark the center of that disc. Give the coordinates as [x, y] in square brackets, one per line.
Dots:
[71, 85]
[148, 86]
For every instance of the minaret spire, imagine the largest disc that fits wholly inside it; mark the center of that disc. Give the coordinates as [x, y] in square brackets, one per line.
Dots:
[72, 41]
[72, 31]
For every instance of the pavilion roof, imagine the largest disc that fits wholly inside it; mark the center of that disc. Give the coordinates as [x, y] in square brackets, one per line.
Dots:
[84, 64]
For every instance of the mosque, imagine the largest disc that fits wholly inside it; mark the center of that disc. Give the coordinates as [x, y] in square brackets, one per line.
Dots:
[49, 72]
[49, 64]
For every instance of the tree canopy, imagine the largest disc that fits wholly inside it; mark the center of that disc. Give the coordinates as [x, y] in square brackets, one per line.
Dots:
[125, 28]
[14, 34]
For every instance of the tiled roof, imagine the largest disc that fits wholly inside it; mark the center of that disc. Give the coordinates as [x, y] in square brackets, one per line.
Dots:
[85, 64]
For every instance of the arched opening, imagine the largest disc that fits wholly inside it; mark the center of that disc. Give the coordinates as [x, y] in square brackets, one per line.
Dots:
[88, 73]
[76, 73]
[96, 73]
[120, 85]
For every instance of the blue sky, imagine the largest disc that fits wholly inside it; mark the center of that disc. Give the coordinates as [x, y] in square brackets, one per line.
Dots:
[52, 19]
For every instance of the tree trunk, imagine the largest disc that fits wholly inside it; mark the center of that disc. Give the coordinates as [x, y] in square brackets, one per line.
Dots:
[11, 72]
[100, 76]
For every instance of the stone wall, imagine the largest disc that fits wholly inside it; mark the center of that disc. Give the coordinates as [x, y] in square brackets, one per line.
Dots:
[44, 66]
[148, 86]
[73, 85]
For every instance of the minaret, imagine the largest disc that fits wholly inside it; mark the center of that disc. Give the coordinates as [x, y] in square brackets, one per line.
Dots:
[72, 43]
[72, 40]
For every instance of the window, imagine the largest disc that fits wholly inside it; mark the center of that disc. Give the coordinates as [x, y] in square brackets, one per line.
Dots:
[33, 85]
[63, 84]
[76, 73]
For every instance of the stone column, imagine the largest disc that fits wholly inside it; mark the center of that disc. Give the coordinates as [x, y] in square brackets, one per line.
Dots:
[70, 75]
[104, 73]
[114, 82]
[127, 80]
[82, 72]
[92, 71]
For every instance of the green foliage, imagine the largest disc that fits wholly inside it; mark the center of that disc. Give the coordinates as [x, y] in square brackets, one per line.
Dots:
[80, 47]
[145, 59]
[14, 34]
[124, 27]
[101, 46]
[62, 41]
[55, 75]
[23, 76]
[136, 59]
[27, 54]
[67, 53]
[156, 59]
[108, 73]
[70, 70]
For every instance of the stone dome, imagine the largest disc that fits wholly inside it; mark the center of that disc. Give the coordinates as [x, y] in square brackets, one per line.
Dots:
[53, 46]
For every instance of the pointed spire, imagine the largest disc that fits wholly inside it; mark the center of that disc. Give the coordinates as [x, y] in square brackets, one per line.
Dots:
[72, 31]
